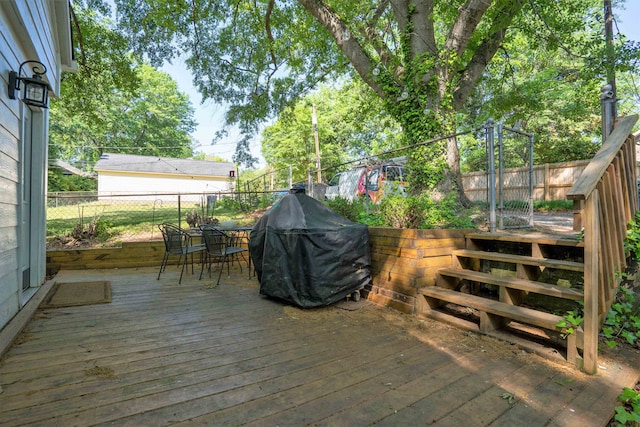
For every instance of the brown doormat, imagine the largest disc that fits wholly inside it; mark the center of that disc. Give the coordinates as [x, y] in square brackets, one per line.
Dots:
[80, 293]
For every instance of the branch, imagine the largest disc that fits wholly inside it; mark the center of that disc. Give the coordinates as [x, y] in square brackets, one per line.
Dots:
[76, 25]
[466, 23]
[344, 40]
[369, 33]
[196, 34]
[485, 52]
[267, 26]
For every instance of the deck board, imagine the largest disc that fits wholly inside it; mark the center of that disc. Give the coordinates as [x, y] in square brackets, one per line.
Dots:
[192, 354]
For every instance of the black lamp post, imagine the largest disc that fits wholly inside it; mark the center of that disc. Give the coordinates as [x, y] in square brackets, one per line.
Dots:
[36, 90]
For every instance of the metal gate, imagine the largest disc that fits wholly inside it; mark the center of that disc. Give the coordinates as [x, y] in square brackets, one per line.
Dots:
[510, 192]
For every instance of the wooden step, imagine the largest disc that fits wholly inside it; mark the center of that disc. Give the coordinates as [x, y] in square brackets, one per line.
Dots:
[520, 259]
[504, 310]
[541, 239]
[515, 283]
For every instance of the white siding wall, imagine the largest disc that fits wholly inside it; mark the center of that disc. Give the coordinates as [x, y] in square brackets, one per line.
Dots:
[118, 183]
[26, 33]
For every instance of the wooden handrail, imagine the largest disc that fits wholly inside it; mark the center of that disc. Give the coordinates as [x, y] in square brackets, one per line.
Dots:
[606, 195]
[594, 171]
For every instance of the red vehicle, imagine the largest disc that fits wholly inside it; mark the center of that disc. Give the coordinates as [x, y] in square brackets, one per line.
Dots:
[380, 181]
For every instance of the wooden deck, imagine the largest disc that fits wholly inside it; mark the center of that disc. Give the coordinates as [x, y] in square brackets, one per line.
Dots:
[162, 353]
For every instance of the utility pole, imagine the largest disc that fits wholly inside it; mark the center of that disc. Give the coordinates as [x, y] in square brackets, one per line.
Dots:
[314, 122]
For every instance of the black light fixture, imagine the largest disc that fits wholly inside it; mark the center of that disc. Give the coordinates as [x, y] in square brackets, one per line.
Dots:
[36, 90]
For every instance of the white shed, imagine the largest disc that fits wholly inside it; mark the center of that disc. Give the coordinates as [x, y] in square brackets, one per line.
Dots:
[145, 177]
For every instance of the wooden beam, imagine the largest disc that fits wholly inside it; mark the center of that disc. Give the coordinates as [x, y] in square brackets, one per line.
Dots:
[595, 169]
[591, 326]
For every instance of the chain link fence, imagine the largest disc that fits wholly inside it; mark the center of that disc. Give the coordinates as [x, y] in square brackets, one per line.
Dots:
[74, 216]
[135, 216]
[515, 178]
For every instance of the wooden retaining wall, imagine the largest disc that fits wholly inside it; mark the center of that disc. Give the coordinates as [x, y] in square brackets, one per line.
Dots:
[131, 254]
[402, 261]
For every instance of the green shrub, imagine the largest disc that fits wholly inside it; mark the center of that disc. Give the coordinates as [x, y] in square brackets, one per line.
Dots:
[422, 212]
[632, 242]
[629, 411]
[400, 212]
[405, 212]
[267, 200]
[552, 205]
[103, 229]
[623, 319]
[228, 203]
[352, 210]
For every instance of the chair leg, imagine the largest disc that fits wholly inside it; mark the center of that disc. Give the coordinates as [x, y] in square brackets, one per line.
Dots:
[237, 256]
[186, 260]
[224, 257]
[163, 264]
[204, 259]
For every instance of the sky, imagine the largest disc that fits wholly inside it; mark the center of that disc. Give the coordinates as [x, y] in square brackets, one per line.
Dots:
[210, 116]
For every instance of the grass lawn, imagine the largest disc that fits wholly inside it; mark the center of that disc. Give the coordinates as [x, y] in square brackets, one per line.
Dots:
[125, 220]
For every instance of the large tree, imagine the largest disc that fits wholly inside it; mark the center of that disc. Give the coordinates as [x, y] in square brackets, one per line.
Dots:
[422, 58]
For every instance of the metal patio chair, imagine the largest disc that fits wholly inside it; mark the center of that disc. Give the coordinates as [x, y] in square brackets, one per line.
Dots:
[219, 249]
[178, 242]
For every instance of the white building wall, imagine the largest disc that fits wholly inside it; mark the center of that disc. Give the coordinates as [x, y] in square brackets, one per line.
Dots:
[138, 185]
[28, 31]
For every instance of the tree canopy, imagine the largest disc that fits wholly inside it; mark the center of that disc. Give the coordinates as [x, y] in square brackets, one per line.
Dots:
[422, 58]
[115, 102]
[350, 123]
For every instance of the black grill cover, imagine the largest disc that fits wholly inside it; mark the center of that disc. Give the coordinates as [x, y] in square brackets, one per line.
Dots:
[307, 254]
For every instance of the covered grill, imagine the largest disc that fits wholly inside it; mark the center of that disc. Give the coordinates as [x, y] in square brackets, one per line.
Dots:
[306, 254]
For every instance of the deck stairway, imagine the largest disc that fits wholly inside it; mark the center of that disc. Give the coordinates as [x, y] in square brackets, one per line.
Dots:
[529, 300]
[503, 285]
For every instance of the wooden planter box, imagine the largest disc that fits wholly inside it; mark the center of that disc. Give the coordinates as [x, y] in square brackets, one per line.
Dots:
[401, 261]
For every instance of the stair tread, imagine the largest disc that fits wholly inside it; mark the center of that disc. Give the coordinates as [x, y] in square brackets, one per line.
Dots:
[521, 259]
[514, 312]
[531, 238]
[515, 283]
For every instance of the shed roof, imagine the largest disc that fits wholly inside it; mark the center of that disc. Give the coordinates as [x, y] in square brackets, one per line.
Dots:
[162, 165]
[68, 169]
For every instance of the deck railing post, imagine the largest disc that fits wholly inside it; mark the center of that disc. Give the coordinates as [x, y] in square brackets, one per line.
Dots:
[531, 142]
[491, 181]
[500, 177]
[591, 221]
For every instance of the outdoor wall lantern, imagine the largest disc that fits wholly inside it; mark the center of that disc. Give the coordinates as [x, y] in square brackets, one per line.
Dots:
[36, 90]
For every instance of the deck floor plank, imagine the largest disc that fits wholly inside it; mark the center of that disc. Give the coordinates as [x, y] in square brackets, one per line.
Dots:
[192, 354]
[257, 399]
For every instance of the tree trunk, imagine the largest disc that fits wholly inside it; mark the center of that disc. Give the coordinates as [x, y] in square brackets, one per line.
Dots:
[455, 176]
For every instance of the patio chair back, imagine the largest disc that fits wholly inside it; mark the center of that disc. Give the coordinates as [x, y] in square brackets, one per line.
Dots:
[174, 238]
[214, 240]
[219, 249]
[177, 242]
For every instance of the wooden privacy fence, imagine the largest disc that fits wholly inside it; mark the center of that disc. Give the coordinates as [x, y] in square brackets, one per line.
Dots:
[551, 181]
[606, 198]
